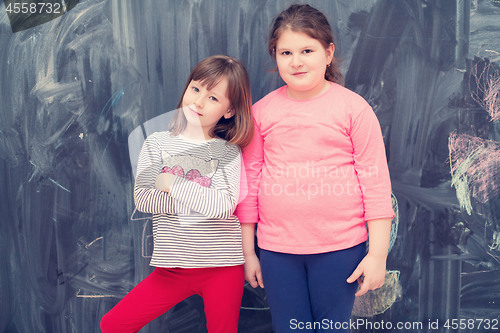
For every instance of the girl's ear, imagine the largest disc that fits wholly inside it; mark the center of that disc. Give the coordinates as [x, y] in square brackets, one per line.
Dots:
[229, 113]
[330, 50]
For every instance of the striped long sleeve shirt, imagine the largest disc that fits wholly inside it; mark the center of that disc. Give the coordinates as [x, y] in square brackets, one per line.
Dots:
[193, 225]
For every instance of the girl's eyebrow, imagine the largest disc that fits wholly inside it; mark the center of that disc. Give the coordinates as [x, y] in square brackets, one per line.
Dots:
[216, 94]
[300, 48]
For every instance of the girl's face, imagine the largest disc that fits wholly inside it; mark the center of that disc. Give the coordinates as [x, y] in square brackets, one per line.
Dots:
[302, 62]
[203, 108]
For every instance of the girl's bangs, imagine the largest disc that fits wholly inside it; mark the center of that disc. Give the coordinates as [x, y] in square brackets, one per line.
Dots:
[209, 78]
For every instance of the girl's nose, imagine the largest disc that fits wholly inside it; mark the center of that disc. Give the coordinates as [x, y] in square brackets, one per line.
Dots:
[199, 102]
[296, 61]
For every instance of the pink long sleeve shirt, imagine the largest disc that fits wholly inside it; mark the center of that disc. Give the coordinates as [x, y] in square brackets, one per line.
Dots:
[316, 172]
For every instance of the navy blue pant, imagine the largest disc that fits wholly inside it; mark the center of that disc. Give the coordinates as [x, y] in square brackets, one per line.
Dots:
[309, 293]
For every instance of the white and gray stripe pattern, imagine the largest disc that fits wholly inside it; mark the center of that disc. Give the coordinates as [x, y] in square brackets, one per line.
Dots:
[193, 224]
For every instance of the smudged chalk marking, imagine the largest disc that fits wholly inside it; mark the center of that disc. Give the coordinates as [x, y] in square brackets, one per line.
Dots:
[91, 243]
[93, 296]
[495, 245]
[485, 89]
[379, 300]
[475, 170]
[59, 185]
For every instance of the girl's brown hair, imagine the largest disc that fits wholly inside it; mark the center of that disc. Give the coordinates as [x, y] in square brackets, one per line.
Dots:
[239, 128]
[312, 22]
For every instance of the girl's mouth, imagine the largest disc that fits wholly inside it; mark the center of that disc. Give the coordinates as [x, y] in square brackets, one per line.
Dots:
[193, 111]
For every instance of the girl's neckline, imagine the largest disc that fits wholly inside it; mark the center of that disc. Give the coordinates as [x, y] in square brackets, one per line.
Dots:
[284, 88]
[185, 138]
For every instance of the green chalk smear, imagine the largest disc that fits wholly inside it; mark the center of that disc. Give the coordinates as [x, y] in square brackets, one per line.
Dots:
[496, 241]
[460, 180]
[462, 189]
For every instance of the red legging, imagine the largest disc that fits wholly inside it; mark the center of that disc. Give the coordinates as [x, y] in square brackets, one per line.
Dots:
[220, 287]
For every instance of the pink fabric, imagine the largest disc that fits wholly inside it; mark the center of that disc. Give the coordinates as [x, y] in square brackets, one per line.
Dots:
[316, 172]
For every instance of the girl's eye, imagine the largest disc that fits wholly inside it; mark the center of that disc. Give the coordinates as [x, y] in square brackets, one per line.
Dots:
[308, 51]
[195, 89]
[212, 98]
[285, 53]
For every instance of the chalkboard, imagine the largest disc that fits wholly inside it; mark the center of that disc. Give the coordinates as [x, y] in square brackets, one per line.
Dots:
[74, 87]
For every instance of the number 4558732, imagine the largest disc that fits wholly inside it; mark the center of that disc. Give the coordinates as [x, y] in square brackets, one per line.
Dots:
[472, 324]
[34, 8]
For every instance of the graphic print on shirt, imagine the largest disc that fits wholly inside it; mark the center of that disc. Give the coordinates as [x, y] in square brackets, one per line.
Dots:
[192, 168]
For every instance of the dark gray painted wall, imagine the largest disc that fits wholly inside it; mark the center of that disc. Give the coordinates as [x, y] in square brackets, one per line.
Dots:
[73, 89]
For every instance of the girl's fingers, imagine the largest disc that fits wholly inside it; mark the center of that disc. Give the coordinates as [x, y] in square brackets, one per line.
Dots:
[260, 280]
[355, 275]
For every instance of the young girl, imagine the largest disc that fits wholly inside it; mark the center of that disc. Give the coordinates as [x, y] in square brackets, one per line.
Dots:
[188, 178]
[317, 174]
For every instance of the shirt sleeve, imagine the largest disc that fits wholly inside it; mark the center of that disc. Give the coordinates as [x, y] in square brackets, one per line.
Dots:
[147, 198]
[247, 210]
[217, 202]
[370, 163]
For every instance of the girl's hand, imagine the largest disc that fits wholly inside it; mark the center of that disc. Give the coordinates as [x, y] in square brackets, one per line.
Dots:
[370, 274]
[163, 182]
[253, 273]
